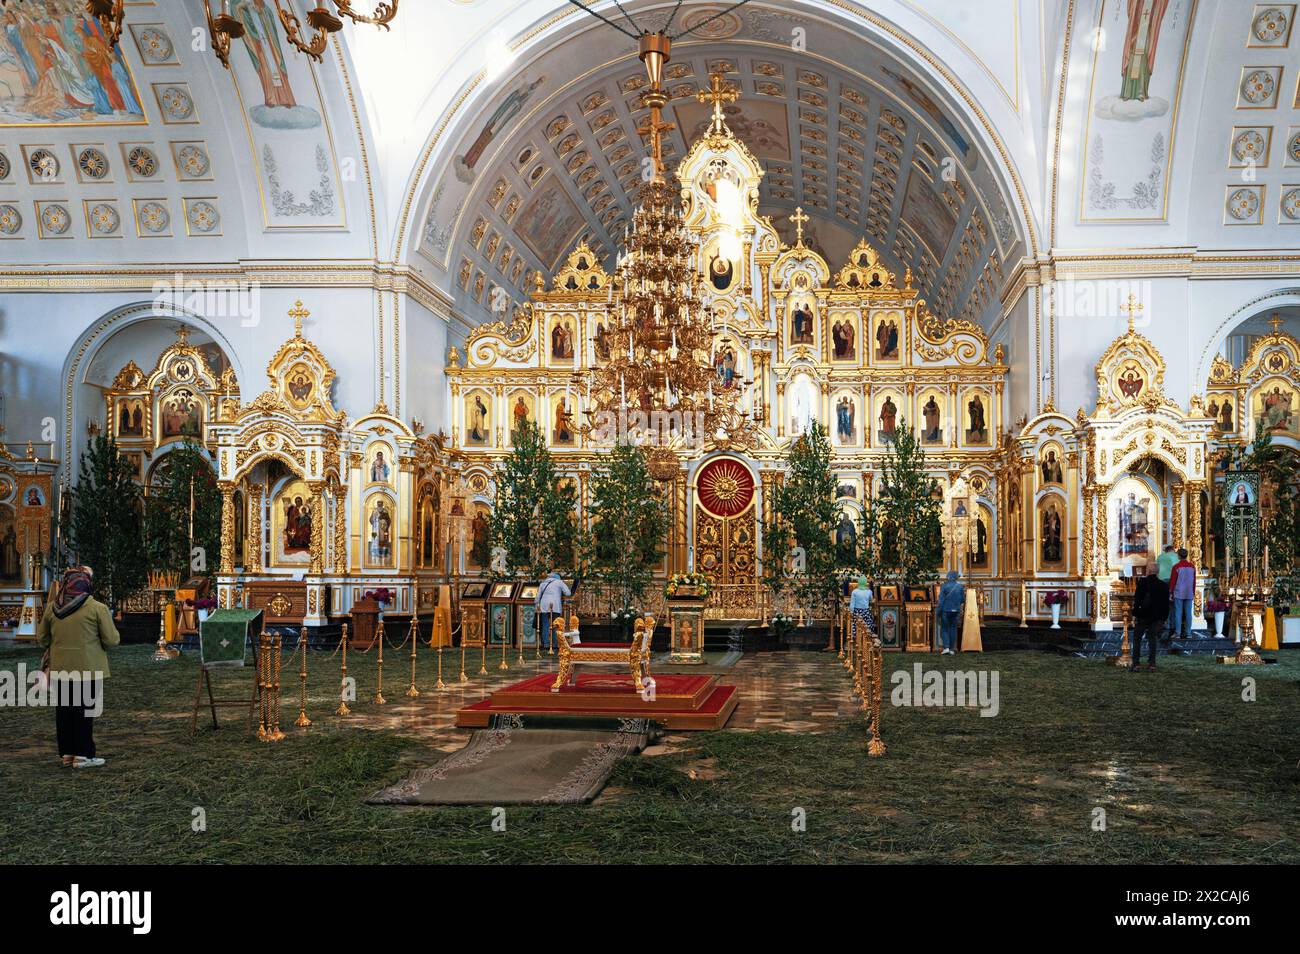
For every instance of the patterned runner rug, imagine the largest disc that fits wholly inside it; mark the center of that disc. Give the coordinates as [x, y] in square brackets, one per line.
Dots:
[510, 764]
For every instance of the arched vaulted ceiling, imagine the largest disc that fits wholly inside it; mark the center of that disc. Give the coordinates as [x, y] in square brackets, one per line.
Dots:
[862, 141]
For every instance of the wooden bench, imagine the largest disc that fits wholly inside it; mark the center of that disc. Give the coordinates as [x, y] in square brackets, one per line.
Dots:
[634, 655]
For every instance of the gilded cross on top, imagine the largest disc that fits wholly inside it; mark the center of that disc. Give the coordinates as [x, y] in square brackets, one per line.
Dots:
[799, 219]
[718, 93]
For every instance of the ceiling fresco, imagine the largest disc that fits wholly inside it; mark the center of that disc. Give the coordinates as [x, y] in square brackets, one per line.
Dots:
[842, 129]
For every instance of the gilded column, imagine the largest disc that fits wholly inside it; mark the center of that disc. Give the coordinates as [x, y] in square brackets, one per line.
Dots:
[1176, 514]
[1194, 489]
[227, 528]
[340, 529]
[317, 528]
[1100, 556]
[253, 545]
[1085, 537]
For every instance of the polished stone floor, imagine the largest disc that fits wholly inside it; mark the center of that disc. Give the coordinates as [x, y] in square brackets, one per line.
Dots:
[798, 692]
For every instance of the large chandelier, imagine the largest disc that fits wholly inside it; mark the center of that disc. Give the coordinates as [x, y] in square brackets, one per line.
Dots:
[664, 368]
[224, 27]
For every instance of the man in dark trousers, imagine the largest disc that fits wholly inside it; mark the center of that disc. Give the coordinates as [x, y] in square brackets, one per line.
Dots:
[1150, 610]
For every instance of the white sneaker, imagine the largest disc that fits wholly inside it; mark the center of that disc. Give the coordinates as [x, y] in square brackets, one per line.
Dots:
[81, 762]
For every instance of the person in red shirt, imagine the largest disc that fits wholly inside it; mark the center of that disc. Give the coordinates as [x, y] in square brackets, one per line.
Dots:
[1182, 590]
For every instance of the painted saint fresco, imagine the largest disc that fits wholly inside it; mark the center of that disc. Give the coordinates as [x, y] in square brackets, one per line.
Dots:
[1138, 77]
[549, 224]
[57, 67]
[287, 125]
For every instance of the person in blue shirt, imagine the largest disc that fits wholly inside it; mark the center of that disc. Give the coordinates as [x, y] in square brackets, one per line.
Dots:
[860, 605]
[952, 597]
[550, 601]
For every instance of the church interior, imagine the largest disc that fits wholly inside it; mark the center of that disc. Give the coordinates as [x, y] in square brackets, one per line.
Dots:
[718, 411]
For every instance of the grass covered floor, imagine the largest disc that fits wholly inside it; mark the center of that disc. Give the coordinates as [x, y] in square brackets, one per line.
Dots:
[1184, 769]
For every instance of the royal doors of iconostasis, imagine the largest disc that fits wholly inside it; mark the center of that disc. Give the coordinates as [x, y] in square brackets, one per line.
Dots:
[725, 532]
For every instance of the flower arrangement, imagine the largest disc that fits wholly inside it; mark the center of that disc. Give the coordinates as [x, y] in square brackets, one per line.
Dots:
[1217, 606]
[782, 623]
[624, 616]
[381, 596]
[688, 584]
[1056, 598]
[203, 603]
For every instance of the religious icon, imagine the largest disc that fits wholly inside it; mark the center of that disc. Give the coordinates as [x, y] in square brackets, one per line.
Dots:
[476, 431]
[1130, 382]
[979, 558]
[1051, 469]
[602, 342]
[842, 336]
[500, 624]
[845, 427]
[959, 508]
[1225, 416]
[846, 540]
[1134, 526]
[803, 402]
[847, 490]
[379, 469]
[562, 340]
[724, 366]
[478, 530]
[1140, 41]
[1051, 543]
[428, 530]
[10, 558]
[887, 340]
[720, 272]
[888, 418]
[520, 412]
[34, 497]
[1242, 494]
[380, 544]
[933, 431]
[130, 418]
[563, 433]
[297, 525]
[1276, 414]
[977, 430]
[889, 627]
[300, 386]
[180, 415]
[801, 326]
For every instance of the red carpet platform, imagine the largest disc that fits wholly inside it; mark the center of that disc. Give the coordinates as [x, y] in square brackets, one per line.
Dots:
[680, 702]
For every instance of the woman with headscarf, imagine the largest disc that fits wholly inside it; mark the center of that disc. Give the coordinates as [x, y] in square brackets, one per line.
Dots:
[860, 606]
[76, 629]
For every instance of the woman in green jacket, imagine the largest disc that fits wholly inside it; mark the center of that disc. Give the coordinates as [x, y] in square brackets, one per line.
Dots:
[76, 629]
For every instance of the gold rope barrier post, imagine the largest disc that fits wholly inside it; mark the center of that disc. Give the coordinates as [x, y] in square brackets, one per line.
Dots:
[275, 735]
[302, 721]
[441, 686]
[379, 688]
[841, 631]
[411, 691]
[876, 747]
[343, 678]
[505, 645]
[482, 656]
[856, 635]
[263, 687]
[462, 677]
[520, 639]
